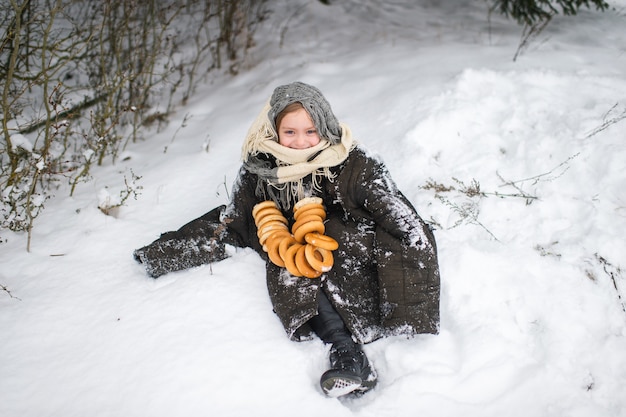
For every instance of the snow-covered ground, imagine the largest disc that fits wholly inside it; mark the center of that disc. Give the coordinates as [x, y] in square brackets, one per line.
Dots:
[532, 319]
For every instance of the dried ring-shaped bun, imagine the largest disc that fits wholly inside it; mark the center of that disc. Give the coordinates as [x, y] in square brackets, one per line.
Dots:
[320, 259]
[317, 209]
[310, 227]
[264, 240]
[286, 243]
[304, 220]
[272, 248]
[272, 225]
[262, 205]
[290, 259]
[266, 232]
[305, 201]
[303, 265]
[278, 217]
[266, 215]
[321, 241]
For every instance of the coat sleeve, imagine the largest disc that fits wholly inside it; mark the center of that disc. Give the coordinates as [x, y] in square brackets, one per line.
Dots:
[406, 252]
[198, 242]
[202, 240]
[371, 193]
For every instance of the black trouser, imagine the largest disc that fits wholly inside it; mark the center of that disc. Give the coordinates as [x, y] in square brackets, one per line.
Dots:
[328, 324]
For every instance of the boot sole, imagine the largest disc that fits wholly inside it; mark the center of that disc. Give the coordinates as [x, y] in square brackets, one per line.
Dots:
[336, 383]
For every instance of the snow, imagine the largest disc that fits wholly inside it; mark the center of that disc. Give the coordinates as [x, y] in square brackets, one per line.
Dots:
[532, 319]
[21, 141]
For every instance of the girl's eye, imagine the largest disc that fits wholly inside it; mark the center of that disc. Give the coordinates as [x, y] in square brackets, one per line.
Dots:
[310, 132]
[289, 132]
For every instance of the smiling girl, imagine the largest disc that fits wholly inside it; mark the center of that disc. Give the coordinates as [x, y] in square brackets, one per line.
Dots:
[384, 278]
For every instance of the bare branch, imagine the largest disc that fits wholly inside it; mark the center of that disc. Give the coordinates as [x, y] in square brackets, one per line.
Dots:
[6, 290]
[608, 120]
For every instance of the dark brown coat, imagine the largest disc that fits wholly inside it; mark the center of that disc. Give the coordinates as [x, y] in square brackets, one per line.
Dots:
[385, 279]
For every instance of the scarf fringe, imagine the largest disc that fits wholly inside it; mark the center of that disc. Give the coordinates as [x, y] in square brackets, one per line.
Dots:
[260, 131]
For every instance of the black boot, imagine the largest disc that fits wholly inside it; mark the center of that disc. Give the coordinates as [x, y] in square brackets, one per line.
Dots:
[350, 371]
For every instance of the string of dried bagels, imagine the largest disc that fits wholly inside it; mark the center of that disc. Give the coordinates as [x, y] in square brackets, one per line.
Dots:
[305, 250]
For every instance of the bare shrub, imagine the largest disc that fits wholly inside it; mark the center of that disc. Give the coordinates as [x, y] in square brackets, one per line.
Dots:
[82, 78]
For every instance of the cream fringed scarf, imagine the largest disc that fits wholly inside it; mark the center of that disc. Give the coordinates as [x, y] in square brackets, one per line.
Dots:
[293, 165]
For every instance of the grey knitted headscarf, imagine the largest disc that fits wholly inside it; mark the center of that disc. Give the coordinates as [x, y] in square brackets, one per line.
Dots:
[314, 103]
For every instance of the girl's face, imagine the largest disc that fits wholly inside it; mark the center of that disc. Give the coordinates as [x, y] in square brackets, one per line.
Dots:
[297, 130]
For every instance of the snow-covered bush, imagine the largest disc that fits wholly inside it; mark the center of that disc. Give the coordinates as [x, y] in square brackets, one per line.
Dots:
[80, 78]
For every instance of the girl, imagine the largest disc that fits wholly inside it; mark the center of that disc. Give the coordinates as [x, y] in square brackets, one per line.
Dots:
[380, 277]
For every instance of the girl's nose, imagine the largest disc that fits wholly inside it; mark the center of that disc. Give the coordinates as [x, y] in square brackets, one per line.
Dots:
[300, 141]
